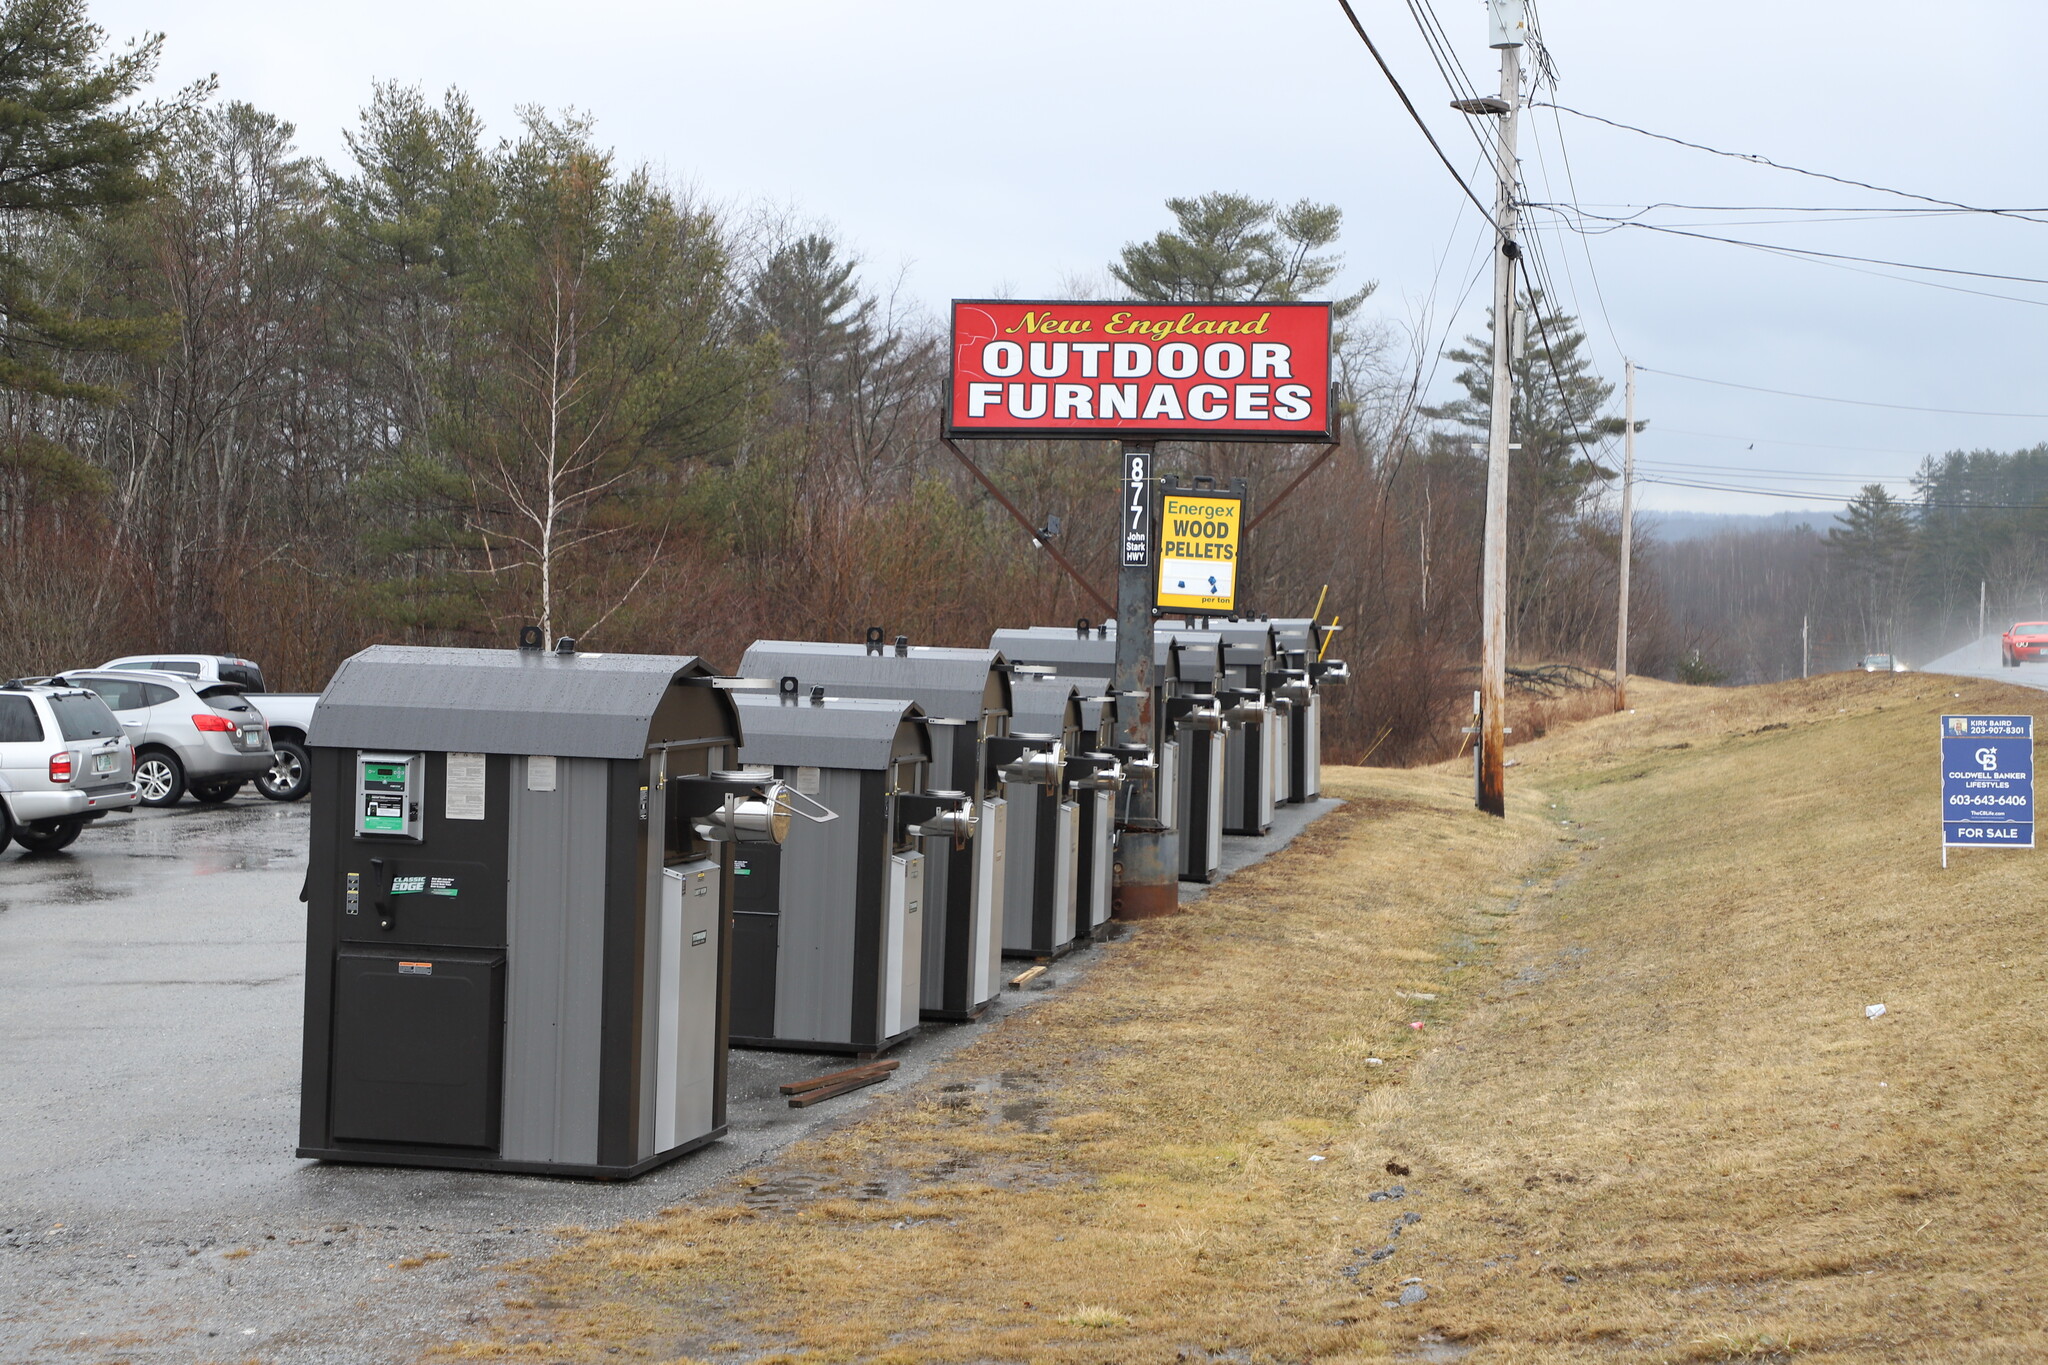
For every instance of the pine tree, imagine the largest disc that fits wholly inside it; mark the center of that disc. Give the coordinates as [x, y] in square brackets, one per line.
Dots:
[591, 360]
[71, 152]
[1873, 545]
[1555, 476]
[1231, 248]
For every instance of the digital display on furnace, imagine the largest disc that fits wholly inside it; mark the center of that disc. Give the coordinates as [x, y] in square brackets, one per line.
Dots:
[387, 795]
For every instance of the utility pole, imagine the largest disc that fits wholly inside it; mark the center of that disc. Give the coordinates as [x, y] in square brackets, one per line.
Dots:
[1804, 622]
[1508, 20]
[1147, 883]
[1981, 583]
[1628, 531]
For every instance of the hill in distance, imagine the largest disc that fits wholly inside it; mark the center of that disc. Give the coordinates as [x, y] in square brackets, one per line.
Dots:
[1671, 526]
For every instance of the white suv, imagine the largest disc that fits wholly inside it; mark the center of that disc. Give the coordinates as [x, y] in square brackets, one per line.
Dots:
[63, 761]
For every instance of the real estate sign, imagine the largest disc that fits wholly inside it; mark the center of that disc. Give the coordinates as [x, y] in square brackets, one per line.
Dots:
[1987, 782]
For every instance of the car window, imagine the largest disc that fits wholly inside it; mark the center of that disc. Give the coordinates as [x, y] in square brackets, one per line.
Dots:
[156, 694]
[223, 697]
[123, 694]
[19, 723]
[248, 679]
[185, 666]
[84, 716]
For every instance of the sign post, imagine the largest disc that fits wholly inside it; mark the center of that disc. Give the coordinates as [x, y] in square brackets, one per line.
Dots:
[1987, 782]
[1138, 374]
[1148, 879]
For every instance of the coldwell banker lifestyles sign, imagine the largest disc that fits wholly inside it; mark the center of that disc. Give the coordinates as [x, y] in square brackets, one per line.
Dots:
[1987, 782]
[1141, 372]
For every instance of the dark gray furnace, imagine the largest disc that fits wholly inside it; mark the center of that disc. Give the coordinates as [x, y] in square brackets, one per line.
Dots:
[829, 943]
[517, 893]
[964, 695]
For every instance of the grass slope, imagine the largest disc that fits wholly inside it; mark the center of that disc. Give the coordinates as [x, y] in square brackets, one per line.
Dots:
[1644, 1117]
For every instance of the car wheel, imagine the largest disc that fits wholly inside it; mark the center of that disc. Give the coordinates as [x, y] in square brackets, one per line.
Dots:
[214, 793]
[289, 777]
[160, 778]
[6, 828]
[48, 838]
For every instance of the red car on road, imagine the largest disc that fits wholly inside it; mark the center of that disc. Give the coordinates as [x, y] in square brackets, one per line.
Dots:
[2027, 640]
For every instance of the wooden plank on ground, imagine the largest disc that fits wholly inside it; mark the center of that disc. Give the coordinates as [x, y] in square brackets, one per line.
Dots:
[1022, 979]
[855, 1082]
[832, 1078]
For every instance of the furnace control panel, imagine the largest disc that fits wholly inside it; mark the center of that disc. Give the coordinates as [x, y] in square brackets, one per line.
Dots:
[390, 795]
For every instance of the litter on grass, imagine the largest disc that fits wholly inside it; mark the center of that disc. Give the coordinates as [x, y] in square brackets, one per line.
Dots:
[1872, 1011]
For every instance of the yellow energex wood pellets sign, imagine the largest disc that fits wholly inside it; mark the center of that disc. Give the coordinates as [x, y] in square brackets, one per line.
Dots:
[1198, 536]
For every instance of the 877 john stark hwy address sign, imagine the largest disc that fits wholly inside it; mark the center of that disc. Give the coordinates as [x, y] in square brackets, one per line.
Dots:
[1140, 371]
[1987, 781]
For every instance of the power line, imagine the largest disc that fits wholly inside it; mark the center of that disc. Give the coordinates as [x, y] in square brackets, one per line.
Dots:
[1409, 105]
[1759, 160]
[1802, 208]
[1828, 398]
[1764, 472]
[1905, 504]
[1585, 247]
[1795, 250]
[1456, 79]
[1774, 441]
[1806, 496]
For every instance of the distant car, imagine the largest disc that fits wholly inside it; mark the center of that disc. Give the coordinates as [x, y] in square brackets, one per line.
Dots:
[63, 762]
[212, 668]
[2026, 641]
[188, 735]
[1882, 663]
[287, 714]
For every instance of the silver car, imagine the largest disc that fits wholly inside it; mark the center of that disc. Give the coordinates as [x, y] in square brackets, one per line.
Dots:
[63, 762]
[188, 736]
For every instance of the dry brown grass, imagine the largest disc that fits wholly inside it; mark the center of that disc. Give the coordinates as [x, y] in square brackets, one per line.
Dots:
[1645, 1118]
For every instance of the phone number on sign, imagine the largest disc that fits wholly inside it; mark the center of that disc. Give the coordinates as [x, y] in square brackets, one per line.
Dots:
[1990, 801]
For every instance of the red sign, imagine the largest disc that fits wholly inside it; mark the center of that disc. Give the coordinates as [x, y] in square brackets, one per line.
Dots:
[1141, 371]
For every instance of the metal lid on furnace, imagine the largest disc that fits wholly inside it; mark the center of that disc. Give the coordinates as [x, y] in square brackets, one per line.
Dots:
[514, 701]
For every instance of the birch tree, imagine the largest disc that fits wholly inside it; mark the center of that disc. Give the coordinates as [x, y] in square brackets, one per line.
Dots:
[593, 362]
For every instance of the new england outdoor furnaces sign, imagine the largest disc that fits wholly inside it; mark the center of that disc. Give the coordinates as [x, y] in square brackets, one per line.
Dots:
[1140, 372]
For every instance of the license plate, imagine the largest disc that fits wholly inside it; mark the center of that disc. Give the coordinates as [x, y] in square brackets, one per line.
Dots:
[103, 763]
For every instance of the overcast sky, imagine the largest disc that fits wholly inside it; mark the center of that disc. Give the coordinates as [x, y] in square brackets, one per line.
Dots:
[977, 149]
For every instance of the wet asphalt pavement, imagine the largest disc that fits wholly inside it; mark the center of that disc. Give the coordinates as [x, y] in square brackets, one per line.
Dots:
[151, 1210]
[1983, 658]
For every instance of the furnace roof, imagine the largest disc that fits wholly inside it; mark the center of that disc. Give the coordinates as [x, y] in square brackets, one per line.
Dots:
[839, 732]
[1042, 706]
[949, 684]
[508, 701]
[1090, 657]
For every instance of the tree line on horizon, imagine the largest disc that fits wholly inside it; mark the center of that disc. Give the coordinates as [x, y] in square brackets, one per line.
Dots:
[260, 404]
[1908, 576]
